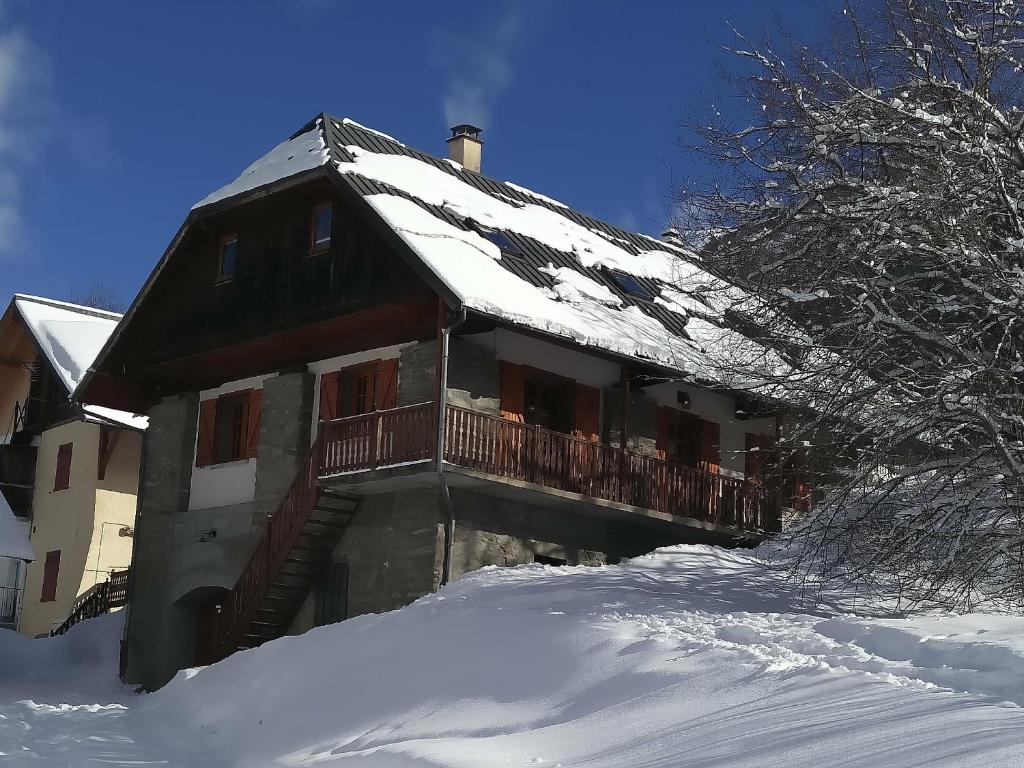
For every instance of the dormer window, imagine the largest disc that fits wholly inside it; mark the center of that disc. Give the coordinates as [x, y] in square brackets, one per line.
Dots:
[320, 227]
[227, 257]
[630, 285]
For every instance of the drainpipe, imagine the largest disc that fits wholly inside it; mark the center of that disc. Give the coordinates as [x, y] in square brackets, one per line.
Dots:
[442, 407]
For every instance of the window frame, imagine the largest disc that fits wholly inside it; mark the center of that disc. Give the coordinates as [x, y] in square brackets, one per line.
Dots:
[62, 471]
[626, 282]
[222, 277]
[564, 389]
[323, 245]
[240, 416]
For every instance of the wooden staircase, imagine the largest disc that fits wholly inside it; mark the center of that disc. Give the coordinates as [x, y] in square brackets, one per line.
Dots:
[305, 563]
[293, 553]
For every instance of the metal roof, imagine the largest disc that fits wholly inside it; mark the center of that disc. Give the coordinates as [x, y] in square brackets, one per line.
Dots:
[340, 133]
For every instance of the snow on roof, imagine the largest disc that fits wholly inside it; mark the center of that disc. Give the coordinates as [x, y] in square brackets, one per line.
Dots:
[300, 153]
[468, 264]
[566, 287]
[98, 414]
[70, 336]
[13, 541]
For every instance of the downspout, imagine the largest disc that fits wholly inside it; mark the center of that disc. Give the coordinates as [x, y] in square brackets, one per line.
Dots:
[442, 408]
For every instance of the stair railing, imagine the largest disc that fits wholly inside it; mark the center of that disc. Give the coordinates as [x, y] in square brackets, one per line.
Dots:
[98, 599]
[282, 531]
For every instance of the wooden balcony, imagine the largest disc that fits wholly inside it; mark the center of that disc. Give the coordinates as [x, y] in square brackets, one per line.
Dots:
[521, 453]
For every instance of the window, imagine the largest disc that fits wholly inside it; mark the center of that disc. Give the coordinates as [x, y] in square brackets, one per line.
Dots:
[630, 285]
[501, 240]
[227, 257]
[546, 560]
[548, 401]
[62, 477]
[680, 437]
[230, 427]
[320, 227]
[359, 389]
[51, 569]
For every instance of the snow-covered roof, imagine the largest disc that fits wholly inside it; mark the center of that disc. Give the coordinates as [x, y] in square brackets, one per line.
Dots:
[13, 540]
[70, 336]
[549, 268]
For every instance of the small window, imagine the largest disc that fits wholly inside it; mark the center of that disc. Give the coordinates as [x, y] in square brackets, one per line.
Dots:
[228, 257]
[546, 560]
[631, 285]
[320, 227]
[229, 430]
[51, 569]
[497, 237]
[62, 477]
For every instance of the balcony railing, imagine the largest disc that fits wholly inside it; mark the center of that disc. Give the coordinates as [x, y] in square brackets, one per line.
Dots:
[530, 454]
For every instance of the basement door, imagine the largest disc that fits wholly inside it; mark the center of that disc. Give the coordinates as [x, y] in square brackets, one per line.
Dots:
[332, 597]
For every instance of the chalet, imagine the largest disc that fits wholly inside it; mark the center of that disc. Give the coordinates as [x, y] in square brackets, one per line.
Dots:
[369, 370]
[68, 471]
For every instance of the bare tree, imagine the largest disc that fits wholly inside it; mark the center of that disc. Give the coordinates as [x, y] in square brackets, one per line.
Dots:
[98, 296]
[869, 204]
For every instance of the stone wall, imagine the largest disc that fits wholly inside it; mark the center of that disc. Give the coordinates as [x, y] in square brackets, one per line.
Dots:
[417, 372]
[163, 494]
[284, 437]
[394, 550]
[497, 531]
[185, 557]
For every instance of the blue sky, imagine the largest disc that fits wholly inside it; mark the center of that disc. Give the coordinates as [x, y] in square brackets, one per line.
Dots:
[115, 117]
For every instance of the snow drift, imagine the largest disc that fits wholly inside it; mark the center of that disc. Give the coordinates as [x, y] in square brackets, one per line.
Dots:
[693, 656]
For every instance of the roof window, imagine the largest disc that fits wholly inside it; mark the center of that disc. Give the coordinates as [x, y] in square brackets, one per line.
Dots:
[630, 285]
[496, 236]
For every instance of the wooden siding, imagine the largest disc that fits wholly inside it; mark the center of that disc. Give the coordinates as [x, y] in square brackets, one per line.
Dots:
[280, 283]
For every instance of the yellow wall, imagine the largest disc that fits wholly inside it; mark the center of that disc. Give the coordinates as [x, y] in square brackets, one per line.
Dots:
[83, 521]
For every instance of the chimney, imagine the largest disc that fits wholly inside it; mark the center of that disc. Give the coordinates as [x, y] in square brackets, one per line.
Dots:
[465, 145]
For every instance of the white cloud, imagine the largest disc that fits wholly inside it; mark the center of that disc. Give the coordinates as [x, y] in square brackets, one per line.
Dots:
[477, 69]
[23, 102]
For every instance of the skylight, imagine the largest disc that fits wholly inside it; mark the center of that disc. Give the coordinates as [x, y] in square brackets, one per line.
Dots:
[497, 237]
[630, 285]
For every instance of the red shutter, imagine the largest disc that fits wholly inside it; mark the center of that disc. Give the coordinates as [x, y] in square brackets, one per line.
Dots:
[386, 388]
[329, 396]
[51, 569]
[254, 409]
[588, 406]
[62, 477]
[207, 430]
[512, 391]
[710, 451]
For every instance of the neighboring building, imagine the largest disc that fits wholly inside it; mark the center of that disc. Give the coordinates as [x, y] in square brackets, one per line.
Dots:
[69, 472]
[15, 553]
[297, 340]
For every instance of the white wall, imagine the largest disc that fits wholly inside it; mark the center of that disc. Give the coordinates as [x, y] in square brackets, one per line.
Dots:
[526, 350]
[320, 367]
[714, 406]
[233, 482]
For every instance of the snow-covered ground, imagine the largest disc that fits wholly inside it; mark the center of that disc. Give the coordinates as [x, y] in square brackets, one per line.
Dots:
[693, 656]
